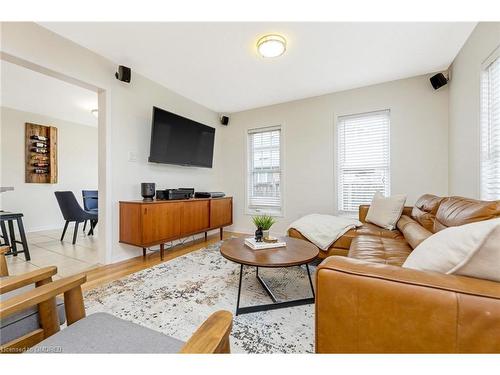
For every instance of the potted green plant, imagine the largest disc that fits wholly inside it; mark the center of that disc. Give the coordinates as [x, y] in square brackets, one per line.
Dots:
[263, 224]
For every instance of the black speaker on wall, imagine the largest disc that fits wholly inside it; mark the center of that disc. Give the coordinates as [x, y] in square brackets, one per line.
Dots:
[123, 74]
[438, 80]
[224, 120]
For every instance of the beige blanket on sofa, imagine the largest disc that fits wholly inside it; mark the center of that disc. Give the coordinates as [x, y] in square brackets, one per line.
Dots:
[323, 230]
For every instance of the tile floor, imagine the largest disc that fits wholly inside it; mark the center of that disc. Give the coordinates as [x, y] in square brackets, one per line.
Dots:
[46, 249]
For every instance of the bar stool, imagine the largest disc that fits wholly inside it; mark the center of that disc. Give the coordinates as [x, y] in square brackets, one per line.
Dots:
[9, 239]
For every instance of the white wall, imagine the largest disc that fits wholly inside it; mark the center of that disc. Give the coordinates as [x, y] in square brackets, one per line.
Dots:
[419, 145]
[127, 110]
[464, 108]
[419, 134]
[77, 167]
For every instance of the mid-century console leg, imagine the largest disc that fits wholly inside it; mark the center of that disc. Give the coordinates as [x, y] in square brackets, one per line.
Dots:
[221, 230]
[205, 236]
[143, 251]
[162, 250]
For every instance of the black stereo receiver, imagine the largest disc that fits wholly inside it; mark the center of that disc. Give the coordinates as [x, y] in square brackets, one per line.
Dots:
[172, 194]
[207, 194]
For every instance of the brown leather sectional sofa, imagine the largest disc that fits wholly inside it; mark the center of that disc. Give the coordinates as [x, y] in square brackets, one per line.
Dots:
[343, 244]
[367, 303]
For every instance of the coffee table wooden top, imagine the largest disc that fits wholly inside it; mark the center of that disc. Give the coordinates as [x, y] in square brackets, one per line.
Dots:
[295, 253]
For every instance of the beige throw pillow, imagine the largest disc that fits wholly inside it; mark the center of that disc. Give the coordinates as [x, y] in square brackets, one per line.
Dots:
[385, 212]
[469, 250]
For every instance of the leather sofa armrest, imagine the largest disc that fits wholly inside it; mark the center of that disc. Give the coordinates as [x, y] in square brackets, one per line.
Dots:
[364, 307]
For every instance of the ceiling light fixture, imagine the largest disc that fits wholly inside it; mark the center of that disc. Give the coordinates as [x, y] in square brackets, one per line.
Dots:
[271, 45]
[95, 112]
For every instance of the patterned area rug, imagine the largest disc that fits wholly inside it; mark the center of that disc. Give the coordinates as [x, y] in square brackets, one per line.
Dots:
[177, 296]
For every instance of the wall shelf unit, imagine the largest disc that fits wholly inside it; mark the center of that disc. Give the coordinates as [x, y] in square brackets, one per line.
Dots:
[40, 154]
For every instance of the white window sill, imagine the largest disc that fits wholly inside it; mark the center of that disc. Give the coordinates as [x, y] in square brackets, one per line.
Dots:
[263, 211]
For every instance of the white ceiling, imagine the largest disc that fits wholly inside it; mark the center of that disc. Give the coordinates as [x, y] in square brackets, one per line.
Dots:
[26, 90]
[216, 64]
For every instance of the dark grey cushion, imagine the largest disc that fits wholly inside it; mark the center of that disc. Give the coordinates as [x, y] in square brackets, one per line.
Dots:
[19, 324]
[105, 333]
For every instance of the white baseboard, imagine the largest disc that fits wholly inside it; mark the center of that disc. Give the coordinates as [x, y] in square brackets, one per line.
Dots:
[43, 228]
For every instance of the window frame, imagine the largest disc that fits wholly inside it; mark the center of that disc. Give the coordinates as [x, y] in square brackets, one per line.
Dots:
[280, 211]
[338, 168]
[492, 57]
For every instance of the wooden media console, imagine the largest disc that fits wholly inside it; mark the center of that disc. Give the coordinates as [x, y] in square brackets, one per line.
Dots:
[146, 224]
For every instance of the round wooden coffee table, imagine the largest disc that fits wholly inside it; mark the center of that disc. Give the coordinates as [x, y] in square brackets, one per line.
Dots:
[296, 253]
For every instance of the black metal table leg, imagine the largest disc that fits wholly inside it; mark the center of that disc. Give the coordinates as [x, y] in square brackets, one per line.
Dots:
[239, 291]
[264, 285]
[276, 304]
[310, 280]
[22, 234]
[12, 234]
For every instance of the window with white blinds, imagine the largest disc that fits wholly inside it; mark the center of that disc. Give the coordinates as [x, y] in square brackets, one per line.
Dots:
[264, 170]
[490, 131]
[363, 158]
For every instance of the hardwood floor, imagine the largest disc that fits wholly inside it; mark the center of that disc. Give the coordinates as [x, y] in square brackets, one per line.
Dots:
[105, 274]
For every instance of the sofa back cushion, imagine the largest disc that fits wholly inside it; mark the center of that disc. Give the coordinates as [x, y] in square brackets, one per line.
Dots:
[455, 211]
[413, 232]
[425, 209]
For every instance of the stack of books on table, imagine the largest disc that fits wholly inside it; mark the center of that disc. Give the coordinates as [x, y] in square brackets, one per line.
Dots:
[253, 244]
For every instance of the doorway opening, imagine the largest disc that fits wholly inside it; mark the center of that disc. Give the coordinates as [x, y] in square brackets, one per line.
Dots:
[63, 217]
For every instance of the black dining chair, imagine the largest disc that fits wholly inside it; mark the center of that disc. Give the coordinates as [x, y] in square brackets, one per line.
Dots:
[90, 203]
[72, 211]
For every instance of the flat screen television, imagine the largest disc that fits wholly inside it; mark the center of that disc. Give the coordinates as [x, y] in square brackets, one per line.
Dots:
[181, 141]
